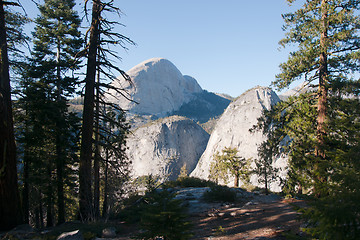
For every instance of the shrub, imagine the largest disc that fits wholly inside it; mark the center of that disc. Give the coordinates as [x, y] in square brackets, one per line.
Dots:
[185, 182]
[164, 216]
[219, 194]
[130, 212]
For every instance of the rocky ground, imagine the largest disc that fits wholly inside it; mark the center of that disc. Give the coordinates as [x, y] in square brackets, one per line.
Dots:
[263, 217]
[254, 216]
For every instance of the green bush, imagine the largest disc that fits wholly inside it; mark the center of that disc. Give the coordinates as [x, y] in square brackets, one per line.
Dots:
[164, 216]
[130, 211]
[185, 182]
[219, 194]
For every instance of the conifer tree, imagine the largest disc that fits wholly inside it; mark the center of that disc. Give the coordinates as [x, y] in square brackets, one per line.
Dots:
[264, 169]
[164, 216]
[47, 83]
[230, 162]
[10, 210]
[98, 52]
[16, 37]
[322, 125]
[113, 160]
[326, 33]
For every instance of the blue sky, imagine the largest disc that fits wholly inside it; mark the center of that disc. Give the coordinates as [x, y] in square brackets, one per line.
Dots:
[228, 46]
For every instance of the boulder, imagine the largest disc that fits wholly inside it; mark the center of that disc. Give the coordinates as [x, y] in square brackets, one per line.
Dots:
[74, 235]
[109, 232]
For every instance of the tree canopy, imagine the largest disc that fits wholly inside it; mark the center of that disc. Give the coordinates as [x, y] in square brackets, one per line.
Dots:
[320, 126]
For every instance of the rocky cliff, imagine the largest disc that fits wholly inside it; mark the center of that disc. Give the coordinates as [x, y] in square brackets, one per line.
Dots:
[164, 146]
[159, 89]
[232, 130]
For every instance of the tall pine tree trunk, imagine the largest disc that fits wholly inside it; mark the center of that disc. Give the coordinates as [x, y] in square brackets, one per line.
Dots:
[97, 151]
[106, 186]
[26, 162]
[25, 191]
[10, 209]
[59, 152]
[323, 80]
[322, 94]
[41, 212]
[236, 181]
[266, 180]
[85, 195]
[49, 199]
[60, 188]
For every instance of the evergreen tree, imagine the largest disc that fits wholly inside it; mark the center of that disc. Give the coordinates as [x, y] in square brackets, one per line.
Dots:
[16, 37]
[49, 131]
[322, 125]
[114, 163]
[264, 169]
[10, 210]
[326, 33]
[164, 216]
[97, 51]
[230, 162]
[85, 191]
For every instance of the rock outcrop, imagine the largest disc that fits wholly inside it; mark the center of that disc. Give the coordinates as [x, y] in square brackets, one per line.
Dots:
[158, 87]
[232, 130]
[160, 90]
[164, 146]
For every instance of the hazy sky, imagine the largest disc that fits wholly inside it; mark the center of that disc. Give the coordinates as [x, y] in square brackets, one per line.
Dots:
[228, 46]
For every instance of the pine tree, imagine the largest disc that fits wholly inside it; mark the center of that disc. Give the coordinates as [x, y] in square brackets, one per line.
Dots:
[49, 129]
[164, 216]
[230, 162]
[326, 33]
[10, 210]
[114, 163]
[322, 125]
[264, 168]
[101, 36]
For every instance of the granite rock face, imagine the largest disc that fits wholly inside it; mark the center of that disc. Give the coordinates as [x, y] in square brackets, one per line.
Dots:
[232, 130]
[158, 88]
[164, 146]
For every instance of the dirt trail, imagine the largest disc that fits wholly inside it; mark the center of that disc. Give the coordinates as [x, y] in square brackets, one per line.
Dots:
[264, 217]
[261, 217]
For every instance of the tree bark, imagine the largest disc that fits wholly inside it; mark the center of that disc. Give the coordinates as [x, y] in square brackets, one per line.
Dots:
[41, 213]
[322, 96]
[236, 181]
[106, 187]
[85, 194]
[266, 181]
[97, 152]
[323, 80]
[25, 191]
[49, 200]
[10, 209]
[59, 148]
